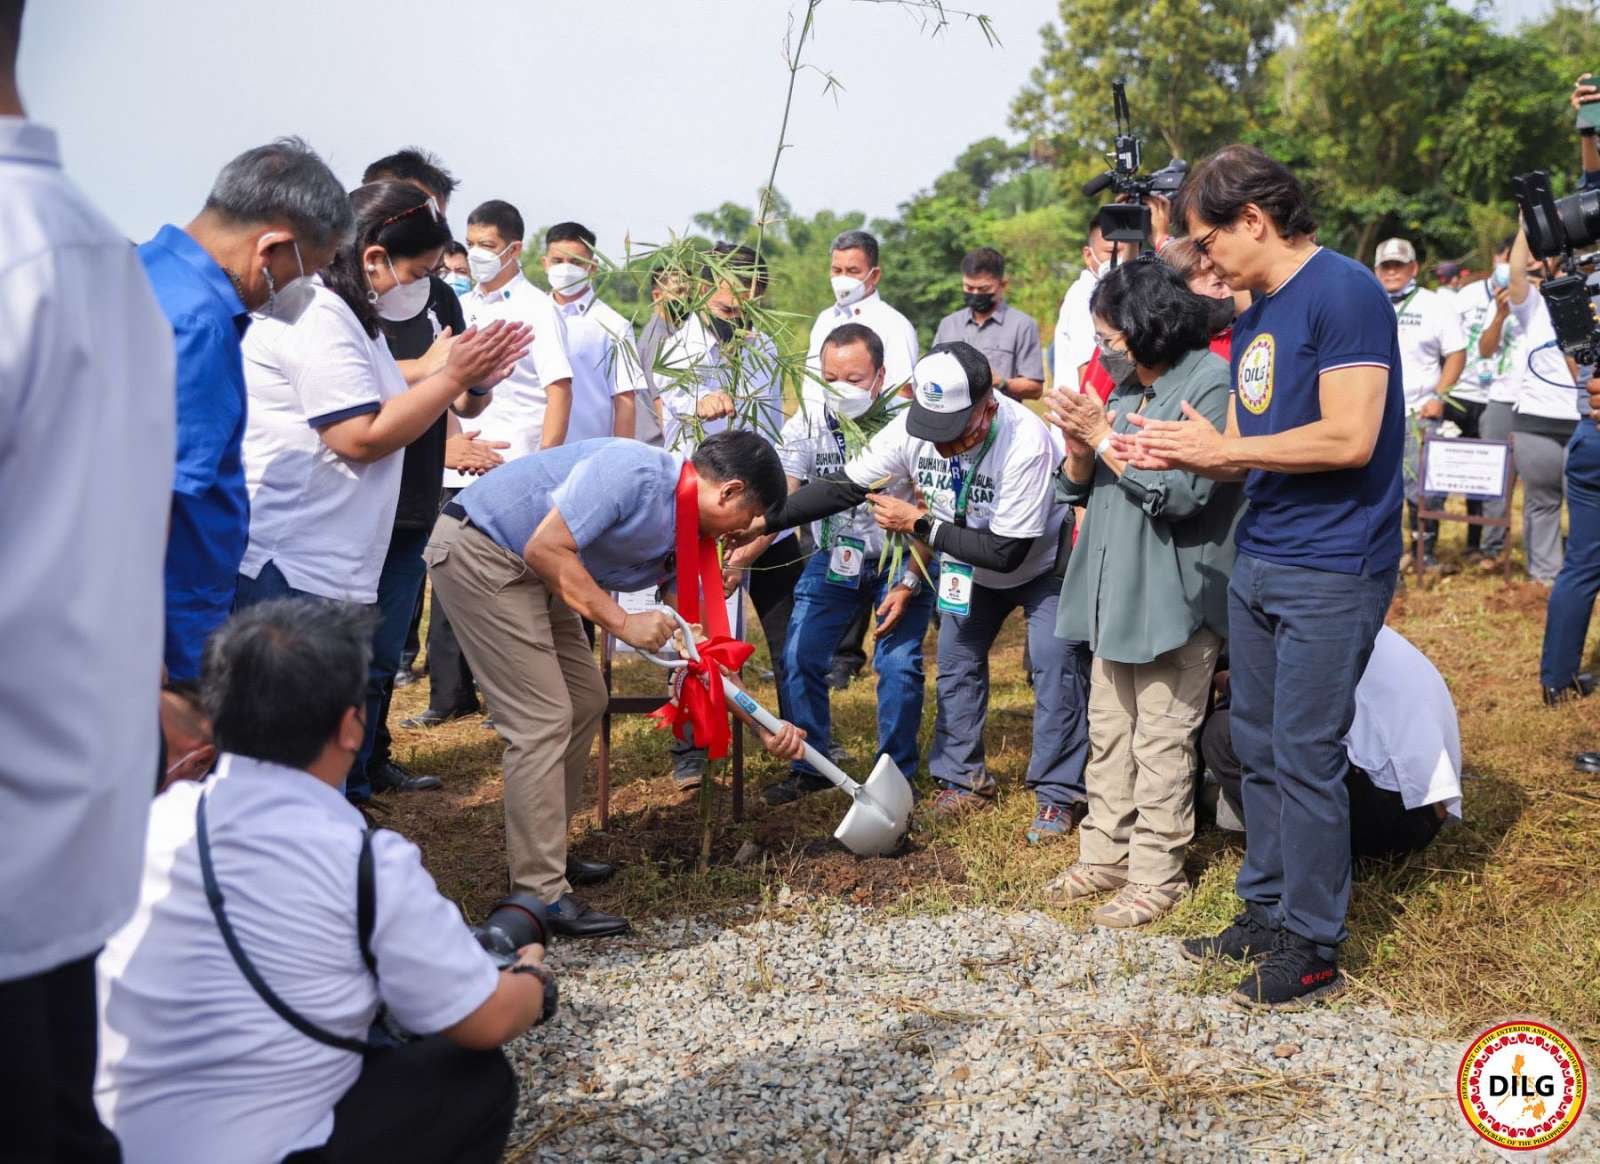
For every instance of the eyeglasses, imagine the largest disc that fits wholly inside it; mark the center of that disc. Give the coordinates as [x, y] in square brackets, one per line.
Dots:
[429, 202]
[1203, 245]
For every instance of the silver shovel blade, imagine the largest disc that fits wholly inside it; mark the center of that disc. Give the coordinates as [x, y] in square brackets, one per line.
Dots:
[878, 819]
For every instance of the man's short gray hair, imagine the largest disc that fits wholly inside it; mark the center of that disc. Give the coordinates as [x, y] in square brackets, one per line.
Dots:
[284, 181]
[279, 677]
[857, 240]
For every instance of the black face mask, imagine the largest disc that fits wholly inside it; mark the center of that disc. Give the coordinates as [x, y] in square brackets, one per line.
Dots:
[980, 301]
[1221, 313]
[724, 329]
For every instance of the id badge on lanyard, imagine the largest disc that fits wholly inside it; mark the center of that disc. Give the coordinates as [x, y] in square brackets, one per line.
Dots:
[845, 560]
[955, 587]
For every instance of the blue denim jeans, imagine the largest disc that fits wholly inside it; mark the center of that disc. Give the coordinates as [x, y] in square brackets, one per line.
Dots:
[1572, 597]
[1299, 641]
[1060, 669]
[399, 587]
[823, 611]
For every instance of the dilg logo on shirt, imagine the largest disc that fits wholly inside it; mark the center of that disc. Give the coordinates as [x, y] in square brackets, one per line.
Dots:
[1255, 374]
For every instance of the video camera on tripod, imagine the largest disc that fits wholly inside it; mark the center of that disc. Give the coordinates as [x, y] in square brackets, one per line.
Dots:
[1560, 228]
[1129, 222]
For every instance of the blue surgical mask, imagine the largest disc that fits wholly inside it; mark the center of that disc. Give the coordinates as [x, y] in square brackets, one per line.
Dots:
[458, 282]
[1502, 274]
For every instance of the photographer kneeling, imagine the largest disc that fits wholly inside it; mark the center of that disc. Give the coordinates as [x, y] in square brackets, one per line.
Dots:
[236, 1003]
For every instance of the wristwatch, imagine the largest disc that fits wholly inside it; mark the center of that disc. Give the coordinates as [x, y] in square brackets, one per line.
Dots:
[911, 582]
[551, 991]
[923, 527]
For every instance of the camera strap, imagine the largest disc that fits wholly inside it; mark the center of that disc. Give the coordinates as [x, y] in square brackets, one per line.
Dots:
[366, 912]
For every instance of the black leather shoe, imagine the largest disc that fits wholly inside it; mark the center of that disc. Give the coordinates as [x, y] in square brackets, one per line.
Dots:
[430, 718]
[394, 777]
[571, 917]
[1587, 762]
[581, 872]
[405, 678]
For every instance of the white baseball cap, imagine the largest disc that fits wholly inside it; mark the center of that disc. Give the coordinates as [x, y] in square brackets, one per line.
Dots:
[944, 398]
[1395, 250]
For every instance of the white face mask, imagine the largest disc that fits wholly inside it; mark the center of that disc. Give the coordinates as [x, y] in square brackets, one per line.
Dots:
[485, 264]
[403, 301]
[847, 290]
[849, 400]
[287, 303]
[567, 278]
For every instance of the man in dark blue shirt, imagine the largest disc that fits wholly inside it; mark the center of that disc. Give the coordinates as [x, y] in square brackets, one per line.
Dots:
[273, 218]
[1315, 431]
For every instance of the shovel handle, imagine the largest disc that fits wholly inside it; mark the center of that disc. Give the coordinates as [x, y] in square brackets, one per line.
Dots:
[742, 700]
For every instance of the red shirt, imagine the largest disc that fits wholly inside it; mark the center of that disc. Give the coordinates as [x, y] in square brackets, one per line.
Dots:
[1097, 378]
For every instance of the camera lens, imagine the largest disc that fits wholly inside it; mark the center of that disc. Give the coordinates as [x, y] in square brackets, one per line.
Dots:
[514, 922]
[1580, 217]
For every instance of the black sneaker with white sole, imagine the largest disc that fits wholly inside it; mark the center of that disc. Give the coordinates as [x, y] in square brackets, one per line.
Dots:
[1247, 939]
[794, 787]
[1293, 977]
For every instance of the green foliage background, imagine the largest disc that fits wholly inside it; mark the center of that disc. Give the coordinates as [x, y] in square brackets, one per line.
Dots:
[1401, 117]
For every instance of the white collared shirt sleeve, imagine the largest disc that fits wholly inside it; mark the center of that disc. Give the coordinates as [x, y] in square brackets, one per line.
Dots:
[431, 971]
[327, 364]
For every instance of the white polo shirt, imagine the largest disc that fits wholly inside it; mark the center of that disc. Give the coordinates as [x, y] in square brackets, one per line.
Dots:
[696, 366]
[1074, 341]
[1405, 735]
[1430, 330]
[87, 392]
[898, 334]
[1012, 493]
[604, 356]
[194, 1067]
[322, 520]
[1494, 379]
[516, 414]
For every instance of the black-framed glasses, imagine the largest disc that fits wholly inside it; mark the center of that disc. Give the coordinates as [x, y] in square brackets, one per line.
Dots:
[1203, 245]
[429, 202]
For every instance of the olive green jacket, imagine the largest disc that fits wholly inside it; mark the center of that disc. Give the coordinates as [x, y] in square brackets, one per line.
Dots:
[1155, 549]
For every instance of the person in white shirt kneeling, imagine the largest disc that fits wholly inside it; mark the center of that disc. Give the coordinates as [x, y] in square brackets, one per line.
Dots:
[272, 928]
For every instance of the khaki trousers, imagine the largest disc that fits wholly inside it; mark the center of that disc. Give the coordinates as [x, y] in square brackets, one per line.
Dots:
[541, 682]
[1143, 718]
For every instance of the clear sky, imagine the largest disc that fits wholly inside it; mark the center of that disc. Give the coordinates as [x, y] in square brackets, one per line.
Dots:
[623, 114]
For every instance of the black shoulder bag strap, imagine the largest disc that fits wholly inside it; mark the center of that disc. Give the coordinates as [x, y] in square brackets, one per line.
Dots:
[365, 909]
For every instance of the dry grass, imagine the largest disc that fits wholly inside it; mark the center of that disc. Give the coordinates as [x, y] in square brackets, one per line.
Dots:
[1500, 916]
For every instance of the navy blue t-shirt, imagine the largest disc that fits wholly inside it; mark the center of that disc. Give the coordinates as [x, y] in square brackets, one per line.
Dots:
[1330, 314]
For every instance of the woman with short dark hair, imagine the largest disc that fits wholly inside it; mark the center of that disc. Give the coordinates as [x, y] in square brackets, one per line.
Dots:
[1146, 587]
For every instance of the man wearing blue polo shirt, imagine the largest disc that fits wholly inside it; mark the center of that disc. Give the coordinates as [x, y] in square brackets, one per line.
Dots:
[272, 220]
[1316, 432]
[521, 555]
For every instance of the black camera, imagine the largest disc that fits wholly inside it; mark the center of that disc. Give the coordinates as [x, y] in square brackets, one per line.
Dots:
[1130, 221]
[514, 922]
[1558, 229]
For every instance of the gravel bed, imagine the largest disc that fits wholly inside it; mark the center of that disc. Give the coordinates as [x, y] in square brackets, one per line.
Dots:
[845, 1034]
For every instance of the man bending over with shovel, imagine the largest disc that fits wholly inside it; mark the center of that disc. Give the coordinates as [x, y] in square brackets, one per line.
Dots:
[982, 464]
[517, 557]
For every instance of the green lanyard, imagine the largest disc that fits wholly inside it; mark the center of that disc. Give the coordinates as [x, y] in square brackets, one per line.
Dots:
[963, 480]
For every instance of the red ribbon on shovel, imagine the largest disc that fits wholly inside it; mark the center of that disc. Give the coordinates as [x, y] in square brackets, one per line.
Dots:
[701, 703]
